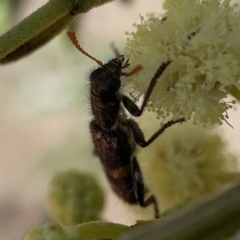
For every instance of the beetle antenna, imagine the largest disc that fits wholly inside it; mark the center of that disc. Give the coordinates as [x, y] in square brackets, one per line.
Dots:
[114, 48]
[74, 40]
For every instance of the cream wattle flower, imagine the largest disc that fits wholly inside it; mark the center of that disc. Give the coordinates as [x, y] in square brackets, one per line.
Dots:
[202, 40]
[185, 163]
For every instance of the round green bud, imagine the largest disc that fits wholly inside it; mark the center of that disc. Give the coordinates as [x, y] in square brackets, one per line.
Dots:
[50, 231]
[34, 234]
[53, 231]
[74, 198]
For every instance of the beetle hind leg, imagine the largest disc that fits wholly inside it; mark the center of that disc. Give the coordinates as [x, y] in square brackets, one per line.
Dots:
[149, 201]
[140, 190]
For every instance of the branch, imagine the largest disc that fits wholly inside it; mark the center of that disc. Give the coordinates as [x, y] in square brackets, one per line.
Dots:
[41, 26]
[216, 217]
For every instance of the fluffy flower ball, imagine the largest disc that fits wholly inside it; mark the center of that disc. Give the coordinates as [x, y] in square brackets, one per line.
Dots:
[185, 163]
[201, 38]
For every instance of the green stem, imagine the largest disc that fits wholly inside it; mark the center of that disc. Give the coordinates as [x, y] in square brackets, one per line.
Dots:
[216, 217]
[101, 230]
[41, 26]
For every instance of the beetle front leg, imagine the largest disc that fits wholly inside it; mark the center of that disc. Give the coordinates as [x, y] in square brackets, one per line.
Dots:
[131, 106]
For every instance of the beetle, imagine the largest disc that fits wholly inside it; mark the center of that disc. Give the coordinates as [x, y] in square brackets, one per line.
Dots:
[115, 135]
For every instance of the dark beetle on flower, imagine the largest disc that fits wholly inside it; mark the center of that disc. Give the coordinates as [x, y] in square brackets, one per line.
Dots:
[114, 135]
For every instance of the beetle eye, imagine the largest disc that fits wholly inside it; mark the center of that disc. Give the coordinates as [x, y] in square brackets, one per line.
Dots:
[112, 84]
[116, 62]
